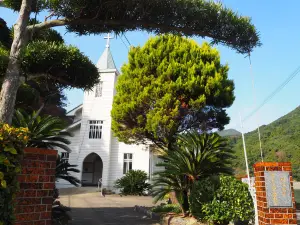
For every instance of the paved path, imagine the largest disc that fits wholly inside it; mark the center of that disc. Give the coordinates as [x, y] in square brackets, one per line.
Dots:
[93, 209]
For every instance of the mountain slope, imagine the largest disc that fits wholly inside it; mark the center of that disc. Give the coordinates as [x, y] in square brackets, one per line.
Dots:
[229, 133]
[280, 142]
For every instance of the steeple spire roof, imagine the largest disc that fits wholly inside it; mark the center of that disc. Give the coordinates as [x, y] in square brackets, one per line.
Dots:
[106, 60]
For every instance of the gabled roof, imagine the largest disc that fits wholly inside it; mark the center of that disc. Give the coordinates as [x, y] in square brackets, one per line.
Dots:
[73, 111]
[106, 60]
[76, 124]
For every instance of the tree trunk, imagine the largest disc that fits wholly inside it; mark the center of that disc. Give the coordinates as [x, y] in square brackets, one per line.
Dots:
[185, 203]
[11, 80]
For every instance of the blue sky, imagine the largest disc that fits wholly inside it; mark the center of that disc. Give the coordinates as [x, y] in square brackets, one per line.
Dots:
[273, 62]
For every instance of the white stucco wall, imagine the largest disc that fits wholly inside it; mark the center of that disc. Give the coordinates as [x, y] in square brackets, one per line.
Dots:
[74, 146]
[98, 108]
[140, 159]
[108, 148]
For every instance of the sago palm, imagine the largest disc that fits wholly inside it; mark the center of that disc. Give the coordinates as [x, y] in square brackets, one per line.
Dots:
[192, 157]
[63, 171]
[45, 131]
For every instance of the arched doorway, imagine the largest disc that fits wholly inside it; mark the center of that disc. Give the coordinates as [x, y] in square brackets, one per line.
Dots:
[92, 169]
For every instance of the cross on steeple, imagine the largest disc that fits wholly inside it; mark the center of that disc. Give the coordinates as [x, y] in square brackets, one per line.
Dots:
[108, 37]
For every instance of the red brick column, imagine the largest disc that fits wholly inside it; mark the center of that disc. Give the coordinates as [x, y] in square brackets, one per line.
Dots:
[37, 180]
[273, 207]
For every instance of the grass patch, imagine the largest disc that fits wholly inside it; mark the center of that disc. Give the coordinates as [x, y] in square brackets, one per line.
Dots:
[168, 208]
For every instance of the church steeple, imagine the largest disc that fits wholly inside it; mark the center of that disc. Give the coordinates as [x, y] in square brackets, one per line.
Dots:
[106, 60]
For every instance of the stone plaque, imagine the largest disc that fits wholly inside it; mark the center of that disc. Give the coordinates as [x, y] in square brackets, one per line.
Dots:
[278, 189]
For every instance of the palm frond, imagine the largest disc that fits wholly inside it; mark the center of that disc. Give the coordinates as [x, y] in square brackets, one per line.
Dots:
[55, 145]
[45, 131]
[192, 157]
[58, 139]
[63, 171]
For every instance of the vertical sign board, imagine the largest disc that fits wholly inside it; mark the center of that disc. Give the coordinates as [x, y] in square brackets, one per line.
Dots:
[278, 188]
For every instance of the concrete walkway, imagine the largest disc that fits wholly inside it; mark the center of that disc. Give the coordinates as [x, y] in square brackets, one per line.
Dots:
[93, 209]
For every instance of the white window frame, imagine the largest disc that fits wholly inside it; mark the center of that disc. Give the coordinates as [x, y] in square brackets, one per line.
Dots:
[127, 159]
[95, 129]
[65, 156]
[99, 89]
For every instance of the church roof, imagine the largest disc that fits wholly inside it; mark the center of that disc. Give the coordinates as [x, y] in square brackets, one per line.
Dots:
[74, 110]
[106, 60]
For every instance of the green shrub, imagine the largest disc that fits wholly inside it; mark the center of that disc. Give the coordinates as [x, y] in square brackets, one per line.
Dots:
[133, 183]
[202, 192]
[192, 157]
[12, 140]
[231, 202]
[167, 208]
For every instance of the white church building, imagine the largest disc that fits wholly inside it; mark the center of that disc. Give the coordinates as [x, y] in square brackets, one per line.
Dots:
[98, 154]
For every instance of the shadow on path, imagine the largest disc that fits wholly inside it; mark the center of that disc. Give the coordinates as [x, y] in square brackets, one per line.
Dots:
[93, 209]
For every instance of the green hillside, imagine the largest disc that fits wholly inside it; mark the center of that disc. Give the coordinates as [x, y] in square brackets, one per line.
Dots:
[280, 142]
[229, 133]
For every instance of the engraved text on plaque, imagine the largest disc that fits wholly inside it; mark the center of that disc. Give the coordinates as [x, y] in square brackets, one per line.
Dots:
[278, 189]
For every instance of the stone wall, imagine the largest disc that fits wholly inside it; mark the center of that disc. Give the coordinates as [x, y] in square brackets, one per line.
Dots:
[296, 185]
[37, 180]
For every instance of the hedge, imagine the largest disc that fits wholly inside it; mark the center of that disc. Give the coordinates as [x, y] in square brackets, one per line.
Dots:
[12, 142]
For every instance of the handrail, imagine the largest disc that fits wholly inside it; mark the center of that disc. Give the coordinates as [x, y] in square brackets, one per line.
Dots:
[100, 186]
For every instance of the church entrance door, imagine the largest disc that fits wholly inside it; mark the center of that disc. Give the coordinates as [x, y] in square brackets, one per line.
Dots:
[92, 169]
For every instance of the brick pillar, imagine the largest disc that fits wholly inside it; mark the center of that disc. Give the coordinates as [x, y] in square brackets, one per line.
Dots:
[275, 193]
[37, 180]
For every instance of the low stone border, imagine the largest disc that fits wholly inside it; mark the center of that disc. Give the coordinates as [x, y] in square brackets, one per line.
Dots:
[177, 220]
[147, 212]
[167, 219]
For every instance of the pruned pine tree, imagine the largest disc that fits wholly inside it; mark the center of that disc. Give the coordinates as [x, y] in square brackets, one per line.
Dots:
[185, 17]
[48, 67]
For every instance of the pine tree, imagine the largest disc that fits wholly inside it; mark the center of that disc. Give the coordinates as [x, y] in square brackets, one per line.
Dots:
[186, 17]
[168, 86]
[48, 67]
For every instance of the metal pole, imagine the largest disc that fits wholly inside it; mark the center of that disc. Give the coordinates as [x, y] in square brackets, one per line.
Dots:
[254, 98]
[260, 147]
[251, 188]
[245, 152]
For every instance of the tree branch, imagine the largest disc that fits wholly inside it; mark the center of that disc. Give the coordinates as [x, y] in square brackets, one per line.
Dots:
[2, 4]
[62, 81]
[31, 76]
[133, 24]
[129, 24]
[49, 24]
[45, 75]
[49, 16]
